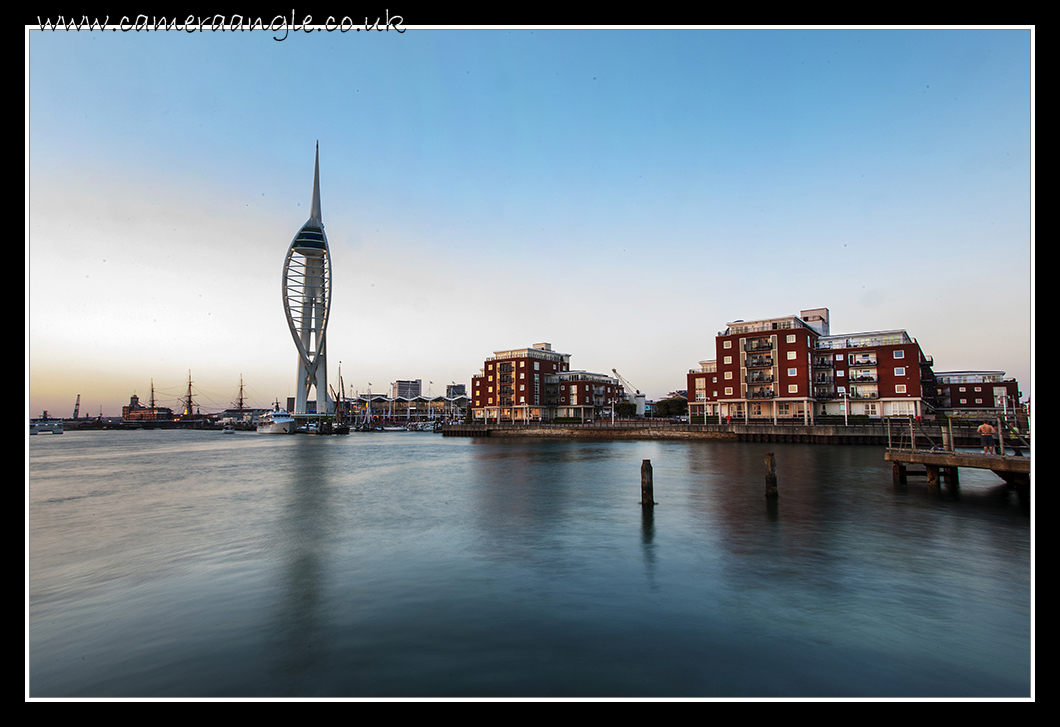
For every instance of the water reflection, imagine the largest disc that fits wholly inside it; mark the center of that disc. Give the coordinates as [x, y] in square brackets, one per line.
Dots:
[416, 565]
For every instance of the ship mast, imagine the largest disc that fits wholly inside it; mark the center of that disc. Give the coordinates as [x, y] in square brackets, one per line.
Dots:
[240, 400]
[188, 402]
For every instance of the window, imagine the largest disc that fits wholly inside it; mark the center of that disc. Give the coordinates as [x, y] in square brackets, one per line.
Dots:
[728, 374]
[899, 389]
[791, 338]
[727, 359]
[792, 372]
[899, 353]
[899, 371]
[792, 355]
[839, 357]
[840, 372]
[537, 365]
[728, 391]
[793, 388]
[726, 344]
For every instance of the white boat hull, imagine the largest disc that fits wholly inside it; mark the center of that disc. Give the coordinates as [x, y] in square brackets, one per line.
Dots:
[277, 422]
[46, 428]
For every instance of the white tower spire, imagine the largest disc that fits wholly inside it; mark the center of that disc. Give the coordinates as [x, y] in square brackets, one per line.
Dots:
[314, 210]
[307, 302]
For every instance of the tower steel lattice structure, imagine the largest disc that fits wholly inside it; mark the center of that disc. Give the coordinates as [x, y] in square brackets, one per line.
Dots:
[307, 303]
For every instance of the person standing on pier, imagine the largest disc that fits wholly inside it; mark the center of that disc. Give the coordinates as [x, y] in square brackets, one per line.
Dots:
[986, 437]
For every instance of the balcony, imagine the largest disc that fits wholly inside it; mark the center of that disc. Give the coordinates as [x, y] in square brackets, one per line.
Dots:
[760, 377]
[759, 362]
[762, 344]
[761, 393]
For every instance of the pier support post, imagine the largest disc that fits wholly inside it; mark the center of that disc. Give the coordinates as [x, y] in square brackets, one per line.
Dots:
[647, 484]
[932, 477]
[771, 476]
[952, 480]
[898, 473]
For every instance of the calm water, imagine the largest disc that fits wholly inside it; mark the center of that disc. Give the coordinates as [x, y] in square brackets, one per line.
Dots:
[201, 564]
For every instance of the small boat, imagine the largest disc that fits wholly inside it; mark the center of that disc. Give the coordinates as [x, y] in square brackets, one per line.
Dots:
[276, 422]
[45, 425]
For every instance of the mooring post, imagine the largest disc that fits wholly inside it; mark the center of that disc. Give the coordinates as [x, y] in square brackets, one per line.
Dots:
[647, 486]
[771, 476]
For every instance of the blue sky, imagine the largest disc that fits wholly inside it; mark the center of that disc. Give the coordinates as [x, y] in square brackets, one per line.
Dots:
[622, 194]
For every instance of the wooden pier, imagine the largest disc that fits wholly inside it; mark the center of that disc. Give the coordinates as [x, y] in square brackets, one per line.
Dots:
[1015, 470]
[942, 462]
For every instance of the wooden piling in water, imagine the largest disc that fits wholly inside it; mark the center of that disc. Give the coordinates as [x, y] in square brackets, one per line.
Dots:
[771, 476]
[647, 485]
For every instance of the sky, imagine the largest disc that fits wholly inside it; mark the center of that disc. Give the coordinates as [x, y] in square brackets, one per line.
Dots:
[622, 194]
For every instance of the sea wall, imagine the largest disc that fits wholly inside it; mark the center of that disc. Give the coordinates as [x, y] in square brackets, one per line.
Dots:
[863, 434]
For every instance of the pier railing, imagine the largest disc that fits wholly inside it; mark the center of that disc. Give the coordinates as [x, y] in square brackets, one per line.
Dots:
[908, 433]
[898, 433]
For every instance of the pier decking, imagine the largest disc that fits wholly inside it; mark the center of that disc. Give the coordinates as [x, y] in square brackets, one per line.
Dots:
[1015, 470]
[945, 461]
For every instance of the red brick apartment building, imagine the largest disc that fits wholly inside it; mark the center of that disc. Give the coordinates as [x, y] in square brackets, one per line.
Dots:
[791, 367]
[536, 383]
[977, 392]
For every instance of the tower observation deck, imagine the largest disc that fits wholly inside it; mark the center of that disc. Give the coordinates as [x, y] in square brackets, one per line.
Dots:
[307, 303]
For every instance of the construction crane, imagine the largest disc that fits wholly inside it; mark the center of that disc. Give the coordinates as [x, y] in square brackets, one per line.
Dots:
[636, 397]
[77, 406]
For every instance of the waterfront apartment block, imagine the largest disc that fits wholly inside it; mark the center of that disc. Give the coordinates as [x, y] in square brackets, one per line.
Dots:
[406, 389]
[792, 368]
[535, 384]
[977, 392]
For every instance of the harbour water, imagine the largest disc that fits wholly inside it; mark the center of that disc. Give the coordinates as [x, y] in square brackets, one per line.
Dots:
[196, 564]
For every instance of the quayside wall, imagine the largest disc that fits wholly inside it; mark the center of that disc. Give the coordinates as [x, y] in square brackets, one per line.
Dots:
[818, 434]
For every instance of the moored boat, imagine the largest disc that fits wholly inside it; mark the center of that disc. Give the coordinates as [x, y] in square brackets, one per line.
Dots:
[45, 424]
[278, 421]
